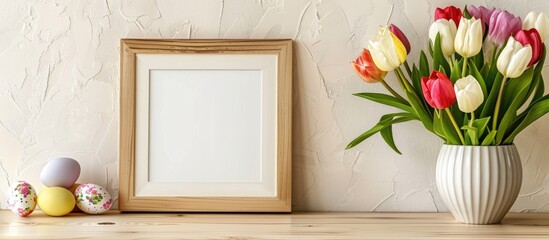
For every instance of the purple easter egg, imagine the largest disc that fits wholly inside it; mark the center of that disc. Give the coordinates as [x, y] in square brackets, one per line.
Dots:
[60, 172]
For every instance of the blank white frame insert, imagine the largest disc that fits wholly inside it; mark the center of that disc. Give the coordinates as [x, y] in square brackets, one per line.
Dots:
[206, 125]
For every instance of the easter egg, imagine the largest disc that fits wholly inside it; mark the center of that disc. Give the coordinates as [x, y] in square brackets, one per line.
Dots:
[60, 172]
[21, 198]
[93, 199]
[56, 201]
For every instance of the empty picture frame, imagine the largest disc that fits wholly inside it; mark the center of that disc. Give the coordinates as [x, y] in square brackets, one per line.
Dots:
[205, 125]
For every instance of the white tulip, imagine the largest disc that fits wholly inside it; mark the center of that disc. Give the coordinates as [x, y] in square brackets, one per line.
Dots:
[539, 21]
[387, 50]
[514, 59]
[447, 30]
[468, 40]
[468, 93]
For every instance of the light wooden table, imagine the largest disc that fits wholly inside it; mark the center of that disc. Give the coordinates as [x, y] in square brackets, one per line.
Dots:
[267, 226]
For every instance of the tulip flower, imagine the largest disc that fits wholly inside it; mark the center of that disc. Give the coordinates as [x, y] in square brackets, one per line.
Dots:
[387, 50]
[481, 13]
[532, 38]
[438, 90]
[469, 94]
[503, 25]
[447, 30]
[539, 21]
[449, 13]
[468, 41]
[400, 35]
[514, 58]
[366, 69]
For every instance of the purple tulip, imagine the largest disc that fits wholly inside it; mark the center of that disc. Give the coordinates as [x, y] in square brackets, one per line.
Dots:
[481, 13]
[502, 25]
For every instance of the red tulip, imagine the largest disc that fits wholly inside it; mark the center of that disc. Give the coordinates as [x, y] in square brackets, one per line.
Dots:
[438, 90]
[366, 68]
[400, 35]
[450, 13]
[531, 37]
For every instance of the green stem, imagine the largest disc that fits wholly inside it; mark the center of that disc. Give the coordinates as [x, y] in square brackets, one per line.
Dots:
[455, 125]
[464, 69]
[472, 119]
[498, 103]
[404, 80]
[407, 67]
[390, 89]
[494, 51]
[399, 80]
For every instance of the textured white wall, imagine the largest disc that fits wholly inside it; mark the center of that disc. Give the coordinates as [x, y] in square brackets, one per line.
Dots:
[59, 92]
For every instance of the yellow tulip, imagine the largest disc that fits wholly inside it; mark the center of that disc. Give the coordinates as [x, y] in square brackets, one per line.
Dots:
[388, 52]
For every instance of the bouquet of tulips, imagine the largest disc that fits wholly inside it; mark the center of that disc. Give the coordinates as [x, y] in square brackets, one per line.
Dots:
[481, 85]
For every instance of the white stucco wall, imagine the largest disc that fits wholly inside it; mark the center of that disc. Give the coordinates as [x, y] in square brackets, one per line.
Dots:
[59, 85]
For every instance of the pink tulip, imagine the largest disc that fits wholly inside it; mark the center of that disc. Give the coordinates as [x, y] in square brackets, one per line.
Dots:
[531, 37]
[438, 90]
[481, 13]
[400, 35]
[503, 25]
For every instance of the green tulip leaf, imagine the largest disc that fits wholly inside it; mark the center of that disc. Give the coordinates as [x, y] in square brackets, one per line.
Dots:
[386, 100]
[515, 86]
[424, 69]
[439, 60]
[539, 109]
[421, 111]
[471, 136]
[385, 121]
[456, 71]
[490, 102]
[489, 139]
[443, 127]
[387, 134]
[518, 91]
[536, 79]
[540, 90]
[416, 80]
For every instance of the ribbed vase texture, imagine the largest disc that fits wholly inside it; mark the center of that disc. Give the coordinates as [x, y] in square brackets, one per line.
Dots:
[479, 184]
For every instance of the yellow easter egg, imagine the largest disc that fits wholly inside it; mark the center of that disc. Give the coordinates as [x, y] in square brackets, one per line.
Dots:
[56, 201]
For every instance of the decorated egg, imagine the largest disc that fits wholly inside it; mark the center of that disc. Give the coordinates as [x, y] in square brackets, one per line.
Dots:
[56, 201]
[93, 199]
[60, 172]
[22, 199]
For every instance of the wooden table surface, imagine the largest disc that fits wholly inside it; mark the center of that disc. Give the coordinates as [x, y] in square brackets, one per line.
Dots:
[325, 225]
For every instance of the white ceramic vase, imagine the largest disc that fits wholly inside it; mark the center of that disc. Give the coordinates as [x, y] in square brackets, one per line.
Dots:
[479, 184]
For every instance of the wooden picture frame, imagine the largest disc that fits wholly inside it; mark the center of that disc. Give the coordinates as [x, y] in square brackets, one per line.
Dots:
[158, 113]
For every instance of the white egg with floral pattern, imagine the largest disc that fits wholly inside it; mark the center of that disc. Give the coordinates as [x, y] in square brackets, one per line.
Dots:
[92, 198]
[21, 198]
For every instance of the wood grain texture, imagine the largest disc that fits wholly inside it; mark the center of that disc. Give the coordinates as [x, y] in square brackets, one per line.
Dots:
[268, 226]
[128, 201]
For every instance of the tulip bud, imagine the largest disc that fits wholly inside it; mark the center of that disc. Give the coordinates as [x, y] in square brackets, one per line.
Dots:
[447, 30]
[532, 38]
[514, 58]
[503, 25]
[539, 21]
[468, 94]
[449, 13]
[468, 41]
[438, 90]
[481, 13]
[366, 69]
[387, 50]
[400, 35]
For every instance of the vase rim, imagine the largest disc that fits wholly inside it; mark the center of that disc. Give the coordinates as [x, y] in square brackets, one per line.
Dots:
[459, 145]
